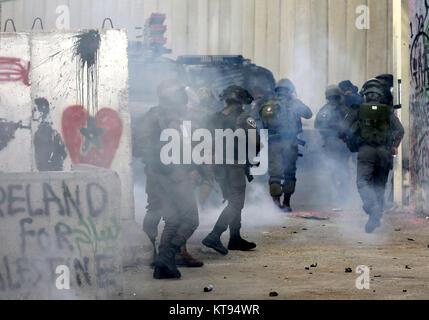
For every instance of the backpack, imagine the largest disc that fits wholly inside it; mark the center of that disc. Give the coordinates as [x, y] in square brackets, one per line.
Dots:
[279, 118]
[373, 124]
[327, 118]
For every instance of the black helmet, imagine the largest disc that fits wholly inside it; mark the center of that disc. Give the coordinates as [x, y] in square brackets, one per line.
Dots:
[378, 87]
[348, 85]
[332, 91]
[236, 94]
[386, 80]
[285, 84]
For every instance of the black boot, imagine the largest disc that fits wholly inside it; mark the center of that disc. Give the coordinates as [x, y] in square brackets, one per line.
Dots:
[372, 224]
[277, 202]
[286, 203]
[155, 254]
[165, 265]
[236, 242]
[213, 241]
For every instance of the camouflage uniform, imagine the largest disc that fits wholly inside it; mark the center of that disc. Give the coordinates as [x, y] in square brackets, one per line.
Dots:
[169, 187]
[231, 177]
[375, 160]
[282, 117]
[350, 94]
[330, 122]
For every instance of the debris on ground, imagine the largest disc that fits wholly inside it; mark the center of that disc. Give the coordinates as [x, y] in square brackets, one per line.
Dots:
[348, 270]
[208, 288]
[314, 215]
[273, 294]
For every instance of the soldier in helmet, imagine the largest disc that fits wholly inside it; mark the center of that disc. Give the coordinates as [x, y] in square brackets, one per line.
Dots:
[232, 177]
[350, 94]
[282, 117]
[167, 186]
[383, 82]
[330, 123]
[376, 133]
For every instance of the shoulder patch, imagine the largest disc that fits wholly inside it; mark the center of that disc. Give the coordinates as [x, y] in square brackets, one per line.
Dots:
[251, 122]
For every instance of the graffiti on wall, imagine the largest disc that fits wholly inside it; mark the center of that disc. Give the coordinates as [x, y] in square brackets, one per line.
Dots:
[419, 102]
[49, 149]
[57, 223]
[8, 130]
[14, 70]
[91, 139]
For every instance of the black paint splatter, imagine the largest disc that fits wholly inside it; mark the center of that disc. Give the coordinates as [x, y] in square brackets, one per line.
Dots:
[86, 48]
[86, 51]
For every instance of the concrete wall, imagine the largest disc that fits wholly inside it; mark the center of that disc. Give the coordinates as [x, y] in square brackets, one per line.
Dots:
[314, 42]
[61, 218]
[47, 95]
[419, 103]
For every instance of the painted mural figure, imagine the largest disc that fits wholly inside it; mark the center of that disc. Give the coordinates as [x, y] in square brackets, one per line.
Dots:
[50, 150]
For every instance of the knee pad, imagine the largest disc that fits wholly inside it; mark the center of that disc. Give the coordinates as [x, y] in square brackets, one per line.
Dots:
[275, 190]
[289, 187]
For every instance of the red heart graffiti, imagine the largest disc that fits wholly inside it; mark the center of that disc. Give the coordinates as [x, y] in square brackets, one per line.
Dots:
[75, 118]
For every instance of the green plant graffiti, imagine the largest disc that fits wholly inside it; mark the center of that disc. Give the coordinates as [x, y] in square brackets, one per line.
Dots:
[96, 239]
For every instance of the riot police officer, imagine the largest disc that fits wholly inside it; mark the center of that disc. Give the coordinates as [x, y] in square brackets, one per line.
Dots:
[282, 117]
[376, 133]
[232, 177]
[168, 186]
[330, 123]
[350, 94]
